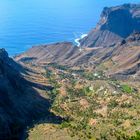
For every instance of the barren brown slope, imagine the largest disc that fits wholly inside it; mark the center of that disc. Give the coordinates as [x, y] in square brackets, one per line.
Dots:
[43, 54]
[127, 56]
[123, 58]
[63, 53]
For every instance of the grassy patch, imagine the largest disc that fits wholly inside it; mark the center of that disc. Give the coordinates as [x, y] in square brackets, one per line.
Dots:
[127, 89]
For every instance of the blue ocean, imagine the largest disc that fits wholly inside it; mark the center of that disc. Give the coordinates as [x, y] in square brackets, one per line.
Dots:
[25, 23]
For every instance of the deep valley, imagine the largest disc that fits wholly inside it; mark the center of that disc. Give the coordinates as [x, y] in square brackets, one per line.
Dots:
[62, 91]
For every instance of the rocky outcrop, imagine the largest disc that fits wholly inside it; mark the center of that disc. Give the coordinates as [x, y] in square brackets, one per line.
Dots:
[116, 24]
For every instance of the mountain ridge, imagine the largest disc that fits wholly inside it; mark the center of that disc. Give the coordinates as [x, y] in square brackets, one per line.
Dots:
[88, 57]
[116, 23]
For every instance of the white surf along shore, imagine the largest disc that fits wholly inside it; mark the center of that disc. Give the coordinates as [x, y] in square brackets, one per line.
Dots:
[77, 41]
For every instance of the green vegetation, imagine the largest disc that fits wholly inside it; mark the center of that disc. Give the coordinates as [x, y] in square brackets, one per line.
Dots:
[93, 76]
[127, 89]
[55, 65]
[136, 136]
[93, 106]
[113, 104]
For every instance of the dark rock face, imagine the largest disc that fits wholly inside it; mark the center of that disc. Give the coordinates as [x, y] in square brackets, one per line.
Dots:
[116, 24]
[58, 52]
[20, 104]
[132, 40]
[133, 37]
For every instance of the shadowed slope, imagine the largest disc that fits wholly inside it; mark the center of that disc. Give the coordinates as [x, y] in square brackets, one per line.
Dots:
[20, 104]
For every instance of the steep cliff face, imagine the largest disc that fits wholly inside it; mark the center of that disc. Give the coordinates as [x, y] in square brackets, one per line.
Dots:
[116, 23]
[20, 104]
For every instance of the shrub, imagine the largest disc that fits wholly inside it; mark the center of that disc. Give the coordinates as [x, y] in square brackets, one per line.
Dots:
[113, 104]
[127, 89]
[65, 125]
[136, 136]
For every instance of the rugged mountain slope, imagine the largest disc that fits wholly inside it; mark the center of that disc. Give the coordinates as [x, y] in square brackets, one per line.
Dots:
[20, 103]
[127, 56]
[116, 23]
[64, 53]
[47, 53]
[123, 59]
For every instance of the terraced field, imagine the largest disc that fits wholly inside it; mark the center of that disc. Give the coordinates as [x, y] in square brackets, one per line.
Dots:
[93, 106]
